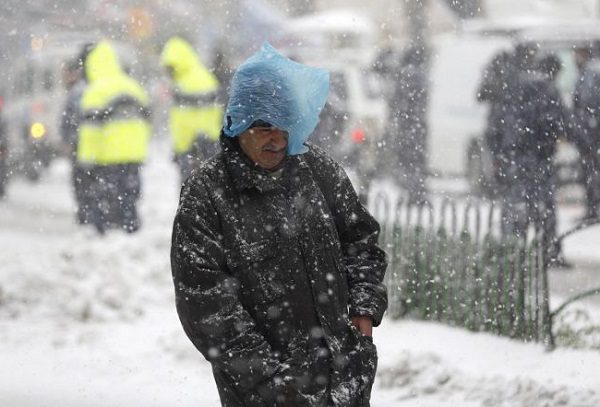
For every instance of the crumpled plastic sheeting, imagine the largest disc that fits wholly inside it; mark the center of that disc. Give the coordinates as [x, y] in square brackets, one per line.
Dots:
[273, 88]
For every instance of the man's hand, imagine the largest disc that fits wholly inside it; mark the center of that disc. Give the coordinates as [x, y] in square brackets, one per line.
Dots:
[363, 324]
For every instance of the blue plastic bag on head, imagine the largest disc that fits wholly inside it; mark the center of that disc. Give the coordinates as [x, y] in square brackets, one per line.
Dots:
[277, 90]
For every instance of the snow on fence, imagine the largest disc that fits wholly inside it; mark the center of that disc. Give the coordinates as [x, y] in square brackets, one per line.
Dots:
[449, 262]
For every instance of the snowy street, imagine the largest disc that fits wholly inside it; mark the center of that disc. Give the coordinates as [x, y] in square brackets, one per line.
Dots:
[90, 321]
[470, 130]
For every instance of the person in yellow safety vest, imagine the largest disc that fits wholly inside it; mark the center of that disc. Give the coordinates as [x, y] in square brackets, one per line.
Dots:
[113, 140]
[195, 119]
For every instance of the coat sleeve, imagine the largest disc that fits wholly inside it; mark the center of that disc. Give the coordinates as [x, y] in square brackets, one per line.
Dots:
[558, 115]
[207, 295]
[365, 262]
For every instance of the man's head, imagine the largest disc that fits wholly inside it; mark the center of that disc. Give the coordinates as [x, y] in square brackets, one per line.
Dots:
[80, 59]
[71, 73]
[170, 71]
[178, 58]
[525, 55]
[265, 145]
[550, 64]
[277, 90]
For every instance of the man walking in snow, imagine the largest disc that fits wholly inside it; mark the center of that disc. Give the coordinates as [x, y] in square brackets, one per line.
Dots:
[277, 272]
[113, 140]
[408, 124]
[532, 119]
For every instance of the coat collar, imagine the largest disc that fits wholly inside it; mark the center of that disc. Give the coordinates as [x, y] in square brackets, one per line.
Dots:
[247, 175]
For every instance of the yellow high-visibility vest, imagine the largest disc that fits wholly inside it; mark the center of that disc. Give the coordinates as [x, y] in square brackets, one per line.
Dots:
[194, 112]
[115, 129]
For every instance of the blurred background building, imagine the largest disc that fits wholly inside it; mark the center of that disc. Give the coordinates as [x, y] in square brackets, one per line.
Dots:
[149, 22]
[326, 32]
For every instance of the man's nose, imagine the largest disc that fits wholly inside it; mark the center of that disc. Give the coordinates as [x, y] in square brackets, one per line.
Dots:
[279, 139]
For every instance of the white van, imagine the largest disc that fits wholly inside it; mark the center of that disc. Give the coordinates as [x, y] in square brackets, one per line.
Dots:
[457, 120]
[454, 114]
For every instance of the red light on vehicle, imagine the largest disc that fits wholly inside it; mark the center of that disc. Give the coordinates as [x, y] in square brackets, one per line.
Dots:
[37, 108]
[358, 135]
[1, 103]
[164, 91]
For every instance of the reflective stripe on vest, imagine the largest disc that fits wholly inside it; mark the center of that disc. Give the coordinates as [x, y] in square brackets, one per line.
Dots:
[122, 107]
[194, 100]
[115, 142]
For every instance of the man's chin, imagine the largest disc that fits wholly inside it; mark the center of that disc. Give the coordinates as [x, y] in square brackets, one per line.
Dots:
[271, 165]
[272, 157]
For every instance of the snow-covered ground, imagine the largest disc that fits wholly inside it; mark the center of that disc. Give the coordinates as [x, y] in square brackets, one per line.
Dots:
[90, 321]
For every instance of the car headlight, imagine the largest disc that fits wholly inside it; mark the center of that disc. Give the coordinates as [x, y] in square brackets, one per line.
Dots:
[38, 130]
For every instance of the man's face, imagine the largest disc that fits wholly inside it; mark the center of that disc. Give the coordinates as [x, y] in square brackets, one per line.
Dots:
[170, 71]
[70, 77]
[266, 146]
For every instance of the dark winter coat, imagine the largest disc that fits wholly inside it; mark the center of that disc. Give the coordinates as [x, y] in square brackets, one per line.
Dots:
[586, 104]
[408, 128]
[268, 269]
[408, 114]
[72, 116]
[495, 89]
[586, 131]
[530, 123]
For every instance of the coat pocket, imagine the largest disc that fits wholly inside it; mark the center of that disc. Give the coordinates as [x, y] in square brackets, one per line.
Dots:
[368, 359]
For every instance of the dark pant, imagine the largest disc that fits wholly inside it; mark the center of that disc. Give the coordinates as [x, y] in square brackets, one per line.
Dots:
[81, 180]
[410, 158]
[531, 204]
[590, 164]
[112, 197]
